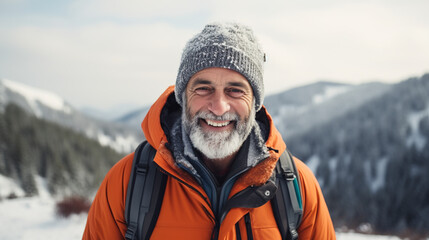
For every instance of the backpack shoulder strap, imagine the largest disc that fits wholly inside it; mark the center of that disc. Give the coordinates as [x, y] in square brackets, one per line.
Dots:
[287, 204]
[144, 194]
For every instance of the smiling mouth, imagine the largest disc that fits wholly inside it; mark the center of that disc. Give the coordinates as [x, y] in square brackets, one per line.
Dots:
[218, 124]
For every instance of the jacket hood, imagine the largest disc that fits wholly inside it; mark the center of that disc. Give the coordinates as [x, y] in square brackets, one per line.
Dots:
[153, 130]
[151, 124]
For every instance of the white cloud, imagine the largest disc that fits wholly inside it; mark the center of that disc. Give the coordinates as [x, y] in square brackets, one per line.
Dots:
[140, 9]
[102, 63]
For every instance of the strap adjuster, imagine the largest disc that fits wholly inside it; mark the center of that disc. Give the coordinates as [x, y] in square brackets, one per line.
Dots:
[131, 231]
[289, 175]
[294, 234]
[141, 169]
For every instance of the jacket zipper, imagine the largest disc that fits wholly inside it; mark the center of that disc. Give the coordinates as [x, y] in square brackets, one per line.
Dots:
[222, 194]
[186, 184]
[215, 233]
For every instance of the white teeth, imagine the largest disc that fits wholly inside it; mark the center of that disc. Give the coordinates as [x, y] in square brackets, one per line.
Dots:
[217, 124]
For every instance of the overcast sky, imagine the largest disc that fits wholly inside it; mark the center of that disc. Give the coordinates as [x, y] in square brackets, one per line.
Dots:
[106, 53]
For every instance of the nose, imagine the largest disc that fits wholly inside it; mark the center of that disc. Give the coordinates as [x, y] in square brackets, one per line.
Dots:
[219, 104]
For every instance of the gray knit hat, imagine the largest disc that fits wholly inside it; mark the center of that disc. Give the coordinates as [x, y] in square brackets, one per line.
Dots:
[225, 45]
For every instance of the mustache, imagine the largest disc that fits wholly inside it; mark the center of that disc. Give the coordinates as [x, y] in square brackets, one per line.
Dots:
[211, 116]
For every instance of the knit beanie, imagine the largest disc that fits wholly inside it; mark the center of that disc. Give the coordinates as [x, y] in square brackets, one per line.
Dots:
[224, 45]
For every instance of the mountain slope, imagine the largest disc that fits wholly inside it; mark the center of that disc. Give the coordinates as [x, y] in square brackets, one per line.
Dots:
[372, 162]
[133, 118]
[51, 107]
[297, 110]
[69, 162]
[305, 95]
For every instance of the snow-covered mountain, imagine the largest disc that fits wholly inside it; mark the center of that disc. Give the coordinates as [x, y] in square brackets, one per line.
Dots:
[372, 161]
[134, 118]
[51, 107]
[34, 150]
[297, 110]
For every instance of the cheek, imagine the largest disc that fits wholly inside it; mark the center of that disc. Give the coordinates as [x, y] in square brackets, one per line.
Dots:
[247, 106]
[243, 110]
[194, 104]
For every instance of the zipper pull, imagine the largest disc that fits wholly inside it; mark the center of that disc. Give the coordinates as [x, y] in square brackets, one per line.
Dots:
[272, 149]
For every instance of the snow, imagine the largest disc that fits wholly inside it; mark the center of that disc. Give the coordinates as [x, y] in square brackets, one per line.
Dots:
[329, 93]
[8, 187]
[42, 187]
[378, 180]
[119, 143]
[35, 96]
[356, 236]
[332, 164]
[416, 138]
[35, 218]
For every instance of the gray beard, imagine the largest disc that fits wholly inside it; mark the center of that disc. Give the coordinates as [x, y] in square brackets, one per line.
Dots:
[217, 145]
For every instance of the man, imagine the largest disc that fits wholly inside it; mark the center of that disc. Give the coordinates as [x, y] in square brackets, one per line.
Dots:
[213, 139]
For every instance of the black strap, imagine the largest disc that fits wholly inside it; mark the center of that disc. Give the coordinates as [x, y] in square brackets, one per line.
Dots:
[149, 222]
[287, 204]
[248, 222]
[237, 231]
[145, 188]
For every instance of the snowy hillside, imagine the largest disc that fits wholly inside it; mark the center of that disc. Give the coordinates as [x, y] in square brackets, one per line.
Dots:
[297, 110]
[33, 148]
[37, 98]
[372, 161]
[49, 106]
[134, 118]
[35, 218]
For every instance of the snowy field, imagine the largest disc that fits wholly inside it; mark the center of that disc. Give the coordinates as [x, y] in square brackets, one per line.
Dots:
[35, 219]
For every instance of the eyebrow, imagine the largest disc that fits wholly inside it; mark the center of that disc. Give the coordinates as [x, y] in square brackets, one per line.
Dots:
[205, 81]
[200, 81]
[237, 84]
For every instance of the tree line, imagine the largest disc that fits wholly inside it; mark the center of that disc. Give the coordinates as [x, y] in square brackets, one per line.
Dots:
[71, 163]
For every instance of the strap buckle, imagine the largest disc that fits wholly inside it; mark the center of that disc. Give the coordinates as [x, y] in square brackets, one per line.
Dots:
[294, 234]
[289, 175]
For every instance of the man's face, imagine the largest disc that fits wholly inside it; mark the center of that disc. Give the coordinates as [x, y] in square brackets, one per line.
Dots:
[219, 111]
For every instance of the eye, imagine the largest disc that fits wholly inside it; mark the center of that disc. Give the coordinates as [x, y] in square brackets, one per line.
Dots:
[202, 91]
[235, 92]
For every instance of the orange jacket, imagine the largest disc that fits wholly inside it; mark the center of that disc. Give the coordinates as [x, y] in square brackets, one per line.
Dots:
[186, 212]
